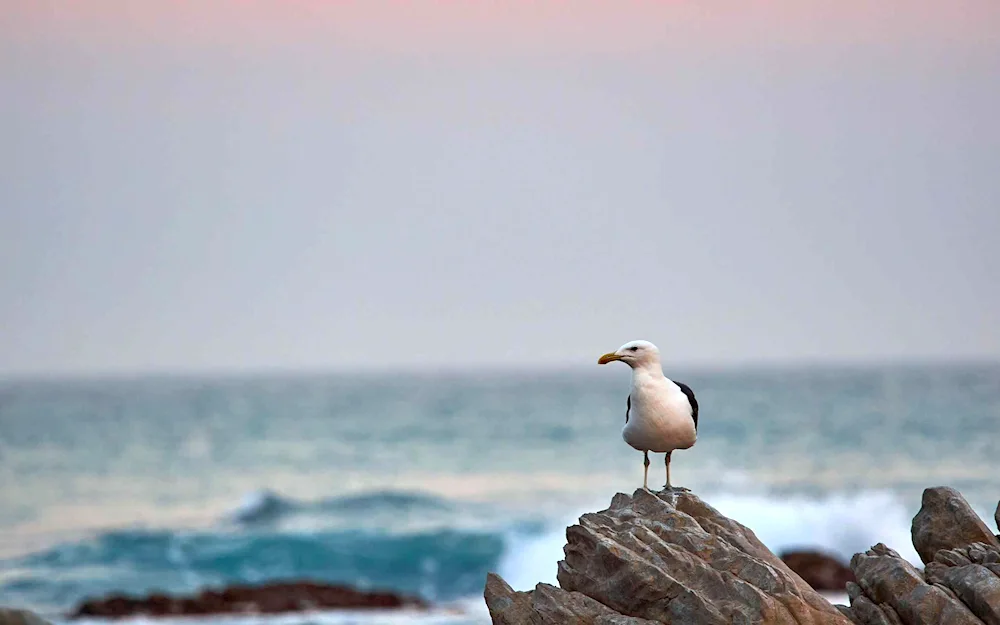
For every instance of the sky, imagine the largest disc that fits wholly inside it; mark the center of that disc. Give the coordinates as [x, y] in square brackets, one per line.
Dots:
[256, 185]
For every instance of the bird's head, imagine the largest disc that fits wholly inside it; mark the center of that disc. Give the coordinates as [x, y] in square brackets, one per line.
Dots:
[636, 354]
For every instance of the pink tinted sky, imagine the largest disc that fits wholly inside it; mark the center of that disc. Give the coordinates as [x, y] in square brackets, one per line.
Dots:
[821, 172]
[582, 26]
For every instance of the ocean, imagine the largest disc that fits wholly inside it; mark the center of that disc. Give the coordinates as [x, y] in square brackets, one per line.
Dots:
[424, 482]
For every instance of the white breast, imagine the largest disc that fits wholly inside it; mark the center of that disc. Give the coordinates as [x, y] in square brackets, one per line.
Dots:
[660, 418]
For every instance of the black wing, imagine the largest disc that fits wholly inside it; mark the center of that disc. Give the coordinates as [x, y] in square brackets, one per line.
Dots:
[691, 400]
[628, 406]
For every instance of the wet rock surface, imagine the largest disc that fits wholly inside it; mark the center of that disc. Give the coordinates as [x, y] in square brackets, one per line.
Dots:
[272, 598]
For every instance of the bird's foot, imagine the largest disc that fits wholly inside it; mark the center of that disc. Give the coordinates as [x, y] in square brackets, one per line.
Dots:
[675, 489]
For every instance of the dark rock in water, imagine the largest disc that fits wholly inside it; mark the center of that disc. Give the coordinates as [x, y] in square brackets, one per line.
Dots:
[274, 598]
[10, 616]
[664, 558]
[819, 570]
[946, 521]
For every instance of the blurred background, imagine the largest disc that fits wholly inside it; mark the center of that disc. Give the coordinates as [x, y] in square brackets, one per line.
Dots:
[309, 289]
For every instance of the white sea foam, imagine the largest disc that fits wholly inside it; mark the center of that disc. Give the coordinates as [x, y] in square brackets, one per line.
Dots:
[842, 524]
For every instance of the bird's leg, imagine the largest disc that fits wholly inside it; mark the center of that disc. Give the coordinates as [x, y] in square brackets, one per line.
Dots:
[667, 486]
[666, 461]
[645, 471]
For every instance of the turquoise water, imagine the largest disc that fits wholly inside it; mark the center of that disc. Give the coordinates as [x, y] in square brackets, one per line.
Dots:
[424, 483]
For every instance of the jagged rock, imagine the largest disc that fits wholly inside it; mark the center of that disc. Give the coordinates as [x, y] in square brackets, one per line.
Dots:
[867, 613]
[888, 580]
[273, 598]
[547, 604]
[10, 616]
[671, 558]
[819, 570]
[946, 521]
[973, 575]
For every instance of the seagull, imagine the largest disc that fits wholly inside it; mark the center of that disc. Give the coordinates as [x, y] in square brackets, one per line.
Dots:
[661, 415]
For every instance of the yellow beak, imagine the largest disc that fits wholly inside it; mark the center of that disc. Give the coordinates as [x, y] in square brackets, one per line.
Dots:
[606, 358]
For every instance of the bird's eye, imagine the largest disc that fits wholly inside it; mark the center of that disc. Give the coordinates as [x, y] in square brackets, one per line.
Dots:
[634, 348]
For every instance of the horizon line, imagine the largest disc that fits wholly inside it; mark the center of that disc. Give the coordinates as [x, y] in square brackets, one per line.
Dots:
[416, 370]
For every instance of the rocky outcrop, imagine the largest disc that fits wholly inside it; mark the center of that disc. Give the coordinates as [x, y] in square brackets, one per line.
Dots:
[946, 521]
[961, 580]
[272, 598]
[666, 558]
[548, 605]
[820, 570]
[900, 590]
[671, 558]
[10, 616]
[973, 574]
